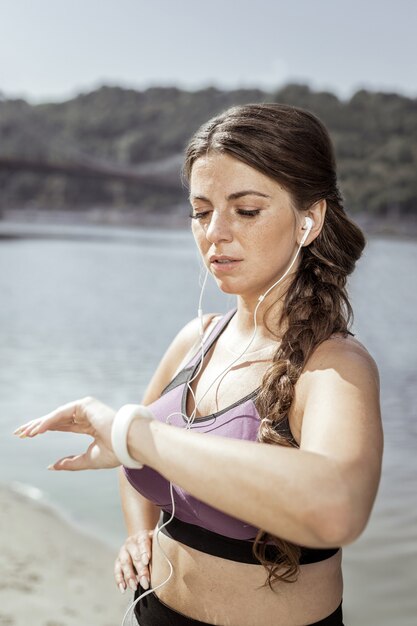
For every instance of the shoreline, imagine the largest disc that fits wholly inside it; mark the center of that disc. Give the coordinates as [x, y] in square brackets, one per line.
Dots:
[39, 499]
[53, 573]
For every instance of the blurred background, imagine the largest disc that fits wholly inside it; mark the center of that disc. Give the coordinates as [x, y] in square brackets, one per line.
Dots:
[98, 269]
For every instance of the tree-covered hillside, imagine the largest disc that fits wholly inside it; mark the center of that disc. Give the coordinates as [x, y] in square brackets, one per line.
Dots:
[375, 136]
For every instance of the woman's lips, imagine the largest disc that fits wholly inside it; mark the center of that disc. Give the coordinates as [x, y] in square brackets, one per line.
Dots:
[224, 265]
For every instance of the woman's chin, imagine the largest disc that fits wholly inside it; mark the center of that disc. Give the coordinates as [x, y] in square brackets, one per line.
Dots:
[227, 287]
[232, 290]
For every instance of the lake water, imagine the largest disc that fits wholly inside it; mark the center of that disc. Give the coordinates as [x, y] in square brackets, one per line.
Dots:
[94, 316]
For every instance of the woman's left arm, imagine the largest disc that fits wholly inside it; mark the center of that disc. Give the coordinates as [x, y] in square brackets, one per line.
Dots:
[320, 495]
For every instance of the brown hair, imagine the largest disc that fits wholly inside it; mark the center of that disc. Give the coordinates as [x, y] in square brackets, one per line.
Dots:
[291, 146]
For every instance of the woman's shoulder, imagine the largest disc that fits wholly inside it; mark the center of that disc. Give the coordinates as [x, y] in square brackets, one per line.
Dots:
[178, 353]
[339, 357]
[340, 377]
[341, 351]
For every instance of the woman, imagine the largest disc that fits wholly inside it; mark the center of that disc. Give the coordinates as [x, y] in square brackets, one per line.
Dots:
[258, 528]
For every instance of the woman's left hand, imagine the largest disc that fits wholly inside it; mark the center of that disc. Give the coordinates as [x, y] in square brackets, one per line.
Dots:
[88, 416]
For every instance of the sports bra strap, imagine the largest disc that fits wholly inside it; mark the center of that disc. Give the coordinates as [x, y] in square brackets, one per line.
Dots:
[211, 338]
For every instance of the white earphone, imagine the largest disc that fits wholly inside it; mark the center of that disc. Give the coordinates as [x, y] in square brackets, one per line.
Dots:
[308, 225]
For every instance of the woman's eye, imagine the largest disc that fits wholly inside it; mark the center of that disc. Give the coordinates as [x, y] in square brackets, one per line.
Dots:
[248, 213]
[199, 215]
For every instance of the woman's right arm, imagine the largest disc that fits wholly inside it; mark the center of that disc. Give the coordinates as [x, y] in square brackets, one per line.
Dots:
[140, 514]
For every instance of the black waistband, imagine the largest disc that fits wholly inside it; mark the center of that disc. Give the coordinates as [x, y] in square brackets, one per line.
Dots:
[228, 548]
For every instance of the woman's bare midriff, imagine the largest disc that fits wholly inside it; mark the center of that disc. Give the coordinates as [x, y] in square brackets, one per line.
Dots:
[227, 593]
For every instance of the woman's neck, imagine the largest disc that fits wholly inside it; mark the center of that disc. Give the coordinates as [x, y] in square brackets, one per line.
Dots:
[267, 317]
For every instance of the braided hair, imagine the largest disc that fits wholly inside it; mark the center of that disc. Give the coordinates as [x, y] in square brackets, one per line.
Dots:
[293, 147]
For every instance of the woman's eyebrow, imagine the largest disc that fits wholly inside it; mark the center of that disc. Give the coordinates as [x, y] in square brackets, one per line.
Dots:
[234, 196]
[246, 192]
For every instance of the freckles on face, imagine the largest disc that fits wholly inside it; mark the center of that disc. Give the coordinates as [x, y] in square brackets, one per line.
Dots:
[241, 213]
[223, 188]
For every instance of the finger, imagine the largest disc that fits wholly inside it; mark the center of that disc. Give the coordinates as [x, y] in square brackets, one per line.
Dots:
[148, 541]
[144, 578]
[32, 430]
[118, 576]
[145, 552]
[129, 574]
[138, 555]
[74, 463]
[38, 427]
[62, 418]
[21, 430]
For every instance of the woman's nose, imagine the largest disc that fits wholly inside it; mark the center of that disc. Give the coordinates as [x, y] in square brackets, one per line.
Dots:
[219, 228]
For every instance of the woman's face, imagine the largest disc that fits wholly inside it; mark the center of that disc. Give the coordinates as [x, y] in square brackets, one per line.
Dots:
[244, 224]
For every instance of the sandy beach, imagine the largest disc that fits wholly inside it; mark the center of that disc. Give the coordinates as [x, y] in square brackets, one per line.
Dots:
[52, 574]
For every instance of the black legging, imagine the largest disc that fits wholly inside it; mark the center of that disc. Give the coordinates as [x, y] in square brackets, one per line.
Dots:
[151, 611]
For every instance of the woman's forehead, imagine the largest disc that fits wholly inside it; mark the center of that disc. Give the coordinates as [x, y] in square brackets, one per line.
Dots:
[214, 171]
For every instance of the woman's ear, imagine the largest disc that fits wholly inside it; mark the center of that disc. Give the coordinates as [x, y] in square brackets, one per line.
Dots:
[316, 213]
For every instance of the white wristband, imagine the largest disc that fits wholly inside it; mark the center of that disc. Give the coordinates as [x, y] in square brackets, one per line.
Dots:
[120, 428]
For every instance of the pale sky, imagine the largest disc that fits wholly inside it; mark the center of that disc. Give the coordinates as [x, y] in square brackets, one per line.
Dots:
[54, 49]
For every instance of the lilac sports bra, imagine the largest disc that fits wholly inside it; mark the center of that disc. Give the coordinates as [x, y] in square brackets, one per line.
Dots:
[238, 421]
[197, 524]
